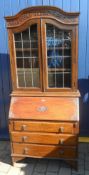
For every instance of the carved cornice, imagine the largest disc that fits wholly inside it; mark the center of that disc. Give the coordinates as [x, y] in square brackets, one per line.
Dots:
[37, 12]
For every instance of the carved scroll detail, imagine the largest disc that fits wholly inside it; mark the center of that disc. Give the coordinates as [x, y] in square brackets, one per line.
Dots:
[26, 16]
[18, 21]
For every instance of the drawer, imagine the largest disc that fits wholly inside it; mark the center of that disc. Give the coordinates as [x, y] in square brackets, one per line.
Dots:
[44, 138]
[55, 127]
[34, 150]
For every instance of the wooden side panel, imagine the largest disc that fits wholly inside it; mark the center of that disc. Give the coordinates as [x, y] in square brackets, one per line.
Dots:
[45, 108]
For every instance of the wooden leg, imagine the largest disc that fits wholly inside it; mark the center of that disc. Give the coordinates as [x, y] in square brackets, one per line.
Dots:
[15, 159]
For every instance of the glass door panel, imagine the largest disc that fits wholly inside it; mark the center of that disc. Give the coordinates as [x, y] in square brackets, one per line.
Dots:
[58, 57]
[27, 61]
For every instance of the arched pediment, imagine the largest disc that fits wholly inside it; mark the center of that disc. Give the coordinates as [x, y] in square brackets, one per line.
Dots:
[42, 12]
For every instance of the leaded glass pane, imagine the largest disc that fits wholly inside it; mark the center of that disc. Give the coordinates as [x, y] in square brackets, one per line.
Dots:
[59, 80]
[21, 82]
[51, 79]
[58, 57]
[26, 45]
[25, 35]
[67, 77]
[19, 62]
[28, 78]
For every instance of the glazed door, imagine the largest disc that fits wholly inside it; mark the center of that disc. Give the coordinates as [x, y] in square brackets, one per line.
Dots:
[44, 56]
[27, 55]
[58, 56]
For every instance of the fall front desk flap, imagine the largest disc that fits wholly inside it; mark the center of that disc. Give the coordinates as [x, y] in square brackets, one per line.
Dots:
[44, 108]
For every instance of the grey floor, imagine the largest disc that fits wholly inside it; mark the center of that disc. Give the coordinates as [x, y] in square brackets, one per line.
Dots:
[42, 166]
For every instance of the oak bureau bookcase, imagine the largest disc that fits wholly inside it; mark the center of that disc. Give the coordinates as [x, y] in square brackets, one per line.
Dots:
[44, 109]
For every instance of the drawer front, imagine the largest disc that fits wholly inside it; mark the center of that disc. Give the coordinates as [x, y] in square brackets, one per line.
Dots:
[54, 127]
[44, 151]
[43, 138]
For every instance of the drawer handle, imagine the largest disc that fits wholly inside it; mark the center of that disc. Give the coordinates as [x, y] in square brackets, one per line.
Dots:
[62, 141]
[25, 151]
[24, 138]
[62, 129]
[24, 127]
[61, 152]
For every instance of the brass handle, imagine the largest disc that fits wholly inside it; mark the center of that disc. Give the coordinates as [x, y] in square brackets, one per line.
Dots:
[24, 127]
[61, 152]
[62, 129]
[24, 138]
[62, 141]
[25, 151]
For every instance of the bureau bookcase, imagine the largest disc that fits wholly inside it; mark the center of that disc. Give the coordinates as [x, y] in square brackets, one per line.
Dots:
[44, 109]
